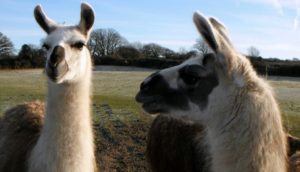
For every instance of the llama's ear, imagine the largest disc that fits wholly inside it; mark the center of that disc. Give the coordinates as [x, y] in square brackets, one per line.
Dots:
[87, 18]
[217, 24]
[206, 30]
[220, 27]
[45, 23]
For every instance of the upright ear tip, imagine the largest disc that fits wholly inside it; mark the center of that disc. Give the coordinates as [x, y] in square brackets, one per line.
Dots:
[198, 16]
[86, 6]
[87, 17]
[87, 9]
[205, 29]
[37, 9]
[217, 22]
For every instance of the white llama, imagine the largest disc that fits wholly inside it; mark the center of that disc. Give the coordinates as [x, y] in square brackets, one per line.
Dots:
[65, 142]
[222, 92]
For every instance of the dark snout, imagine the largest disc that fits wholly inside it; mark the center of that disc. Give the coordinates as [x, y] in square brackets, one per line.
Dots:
[157, 96]
[147, 88]
[151, 94]
[141, 95]
[58, 54]
[56, 65]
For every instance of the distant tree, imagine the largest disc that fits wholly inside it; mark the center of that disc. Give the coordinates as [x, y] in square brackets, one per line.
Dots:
[137, 45]
[154, 50]
[33, 54]
[201, 46]
[253, 52]
[26, 52]
[128, 52]
[105, 42]
[182, 50]
[191, 54]
[6, 46]
[187, 54]
[295, 59]
[169, 54]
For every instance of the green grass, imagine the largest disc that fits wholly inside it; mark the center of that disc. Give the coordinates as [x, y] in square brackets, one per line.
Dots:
[119, 122]
[288, 95]
[116, 88]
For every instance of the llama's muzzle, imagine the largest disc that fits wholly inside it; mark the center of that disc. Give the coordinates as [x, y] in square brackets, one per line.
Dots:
[56, 65]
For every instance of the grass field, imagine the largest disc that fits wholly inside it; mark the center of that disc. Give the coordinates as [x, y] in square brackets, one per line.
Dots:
[119, 122]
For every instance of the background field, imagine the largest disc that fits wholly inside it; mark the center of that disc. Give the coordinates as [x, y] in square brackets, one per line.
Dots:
[119, 122]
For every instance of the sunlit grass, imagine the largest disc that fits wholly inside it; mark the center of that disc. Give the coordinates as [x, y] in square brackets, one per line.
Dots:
[120, 124]
[118, 90]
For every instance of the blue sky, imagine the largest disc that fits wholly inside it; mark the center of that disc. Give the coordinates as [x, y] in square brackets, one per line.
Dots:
[270, 25]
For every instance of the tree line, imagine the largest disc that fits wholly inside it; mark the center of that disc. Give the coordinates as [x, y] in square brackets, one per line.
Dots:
[103, 43]
[109, 47]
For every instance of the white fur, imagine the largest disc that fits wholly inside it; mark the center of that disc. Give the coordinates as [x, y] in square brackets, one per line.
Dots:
[242, 118]
[66, 140]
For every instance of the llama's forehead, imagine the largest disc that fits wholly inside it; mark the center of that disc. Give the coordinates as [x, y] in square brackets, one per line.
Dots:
[192, 61]
[68, 34]
[171, 74]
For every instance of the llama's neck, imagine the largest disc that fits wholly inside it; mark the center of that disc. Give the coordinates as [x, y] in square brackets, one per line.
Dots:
[66, 141]
[248, 136]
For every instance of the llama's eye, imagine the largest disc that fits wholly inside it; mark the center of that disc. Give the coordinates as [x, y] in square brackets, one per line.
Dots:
[46, 47]
[78, 45]
[191, 74]
[190, 79]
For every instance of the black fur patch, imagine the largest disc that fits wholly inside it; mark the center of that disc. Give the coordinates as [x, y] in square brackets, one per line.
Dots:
[157, 95]
[198, 91]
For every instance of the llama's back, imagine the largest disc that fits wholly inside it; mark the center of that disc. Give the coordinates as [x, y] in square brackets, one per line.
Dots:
[19, 131]
[171, 146]
[174, 145]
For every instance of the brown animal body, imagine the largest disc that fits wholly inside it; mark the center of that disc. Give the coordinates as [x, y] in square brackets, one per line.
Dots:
[171, 146]
[20, 129]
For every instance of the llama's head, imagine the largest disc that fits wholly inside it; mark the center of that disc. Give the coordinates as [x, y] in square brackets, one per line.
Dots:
[187, 89]
[68, 57]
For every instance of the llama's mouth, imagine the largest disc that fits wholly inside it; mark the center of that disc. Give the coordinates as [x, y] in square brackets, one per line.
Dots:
[151, 104]
[56, 73]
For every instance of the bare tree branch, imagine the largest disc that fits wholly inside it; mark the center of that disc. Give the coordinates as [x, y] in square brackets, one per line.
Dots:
[105, 42]
[6, 46]
[253, 52]
[201, 47]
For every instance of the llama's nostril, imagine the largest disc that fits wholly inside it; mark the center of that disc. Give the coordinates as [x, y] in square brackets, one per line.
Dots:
[57, 56]
[53, 62]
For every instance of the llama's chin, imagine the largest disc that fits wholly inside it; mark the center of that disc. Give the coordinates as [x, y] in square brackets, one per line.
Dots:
[57, 79]
[57, 75]
[151, 104]
[153, 108]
